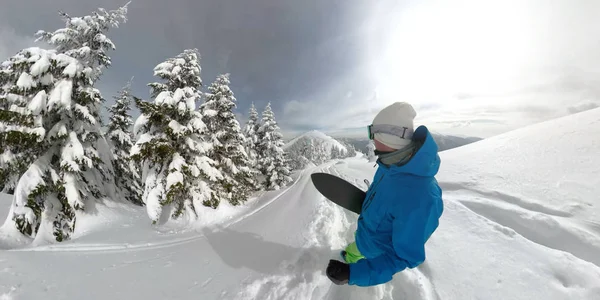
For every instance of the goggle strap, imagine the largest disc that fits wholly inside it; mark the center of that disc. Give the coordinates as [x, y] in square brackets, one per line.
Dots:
[401, 132]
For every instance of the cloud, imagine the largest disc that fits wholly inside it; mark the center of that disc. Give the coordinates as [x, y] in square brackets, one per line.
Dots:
[11, 42]
[242, 119]
[332, 66]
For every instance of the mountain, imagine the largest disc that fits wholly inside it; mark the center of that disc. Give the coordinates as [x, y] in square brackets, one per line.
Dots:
[520, 222]
[447, 142]
[315, 148]
[316, 135]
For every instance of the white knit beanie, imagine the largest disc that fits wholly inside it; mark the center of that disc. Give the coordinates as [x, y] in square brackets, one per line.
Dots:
[399, 114]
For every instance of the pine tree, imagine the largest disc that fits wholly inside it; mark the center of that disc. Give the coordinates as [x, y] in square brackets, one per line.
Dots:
[324, 153]
[316, 157]
[119, 133]
[25, 81]
[72, 167]
[371, 152]
[298, 153]
[335, 153]
[228, 139]
[351, 150]
[251, 134]
[271, 161]
[178, 175]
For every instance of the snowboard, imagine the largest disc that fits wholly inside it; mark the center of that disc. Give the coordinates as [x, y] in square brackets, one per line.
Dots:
[339, 191]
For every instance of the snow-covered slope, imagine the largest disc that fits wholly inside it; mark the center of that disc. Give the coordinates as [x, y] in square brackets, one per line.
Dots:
[537, 188]
[317, 135]
[520, 222]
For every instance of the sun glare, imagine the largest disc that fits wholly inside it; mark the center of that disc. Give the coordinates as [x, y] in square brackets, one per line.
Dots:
[437, 51]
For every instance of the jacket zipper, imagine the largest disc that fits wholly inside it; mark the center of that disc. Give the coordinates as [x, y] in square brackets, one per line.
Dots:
[368, 203]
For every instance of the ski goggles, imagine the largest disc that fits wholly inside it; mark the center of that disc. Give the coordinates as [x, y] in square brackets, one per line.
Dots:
[401, 132]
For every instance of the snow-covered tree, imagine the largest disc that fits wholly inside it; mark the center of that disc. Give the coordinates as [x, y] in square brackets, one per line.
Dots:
[251, 134]
[178, 176]
[335, 153]
[271, 157]
[371, 152]
[298, 153]
[228, 140]
[127, 177]
[351, 150]
[72, 167]
[23, 88]
[324, 152]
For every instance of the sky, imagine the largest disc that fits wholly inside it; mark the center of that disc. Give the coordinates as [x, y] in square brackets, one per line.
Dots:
[469, 67]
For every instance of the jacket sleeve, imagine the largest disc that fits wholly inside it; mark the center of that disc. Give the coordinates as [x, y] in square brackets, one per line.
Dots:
[408, 238]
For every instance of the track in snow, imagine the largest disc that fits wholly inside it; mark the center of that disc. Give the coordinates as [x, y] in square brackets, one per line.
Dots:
[83, 247]
[302, 276]
[543, 225]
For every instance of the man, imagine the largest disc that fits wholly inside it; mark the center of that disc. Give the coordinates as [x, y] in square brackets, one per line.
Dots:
[402, 206]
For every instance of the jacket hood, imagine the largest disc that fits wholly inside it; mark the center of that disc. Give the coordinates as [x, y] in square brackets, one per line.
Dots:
[425, 162]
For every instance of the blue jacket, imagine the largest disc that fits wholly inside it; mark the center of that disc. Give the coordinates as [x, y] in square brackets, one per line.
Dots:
[400, 212]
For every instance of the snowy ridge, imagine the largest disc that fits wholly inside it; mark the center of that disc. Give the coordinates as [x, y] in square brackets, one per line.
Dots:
[317, 135]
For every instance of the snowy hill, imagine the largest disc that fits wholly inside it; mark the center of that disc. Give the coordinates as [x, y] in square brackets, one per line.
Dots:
[318, 136]
[447, 142]
[520, 222]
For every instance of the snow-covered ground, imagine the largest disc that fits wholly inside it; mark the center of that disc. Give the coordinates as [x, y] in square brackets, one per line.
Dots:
[520, 222]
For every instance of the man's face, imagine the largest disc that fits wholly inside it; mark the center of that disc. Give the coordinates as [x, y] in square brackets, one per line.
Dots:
[383, 148]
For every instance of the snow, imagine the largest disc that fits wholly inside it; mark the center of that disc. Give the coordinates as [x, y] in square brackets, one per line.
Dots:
[79, 23]
[101, 38]
[61, 94]
[197, 124]
[40, 66]
[155, 194]
[520, 222]
[176, 176]
[72, 153]
[47, 79]
[139, 123]
[71, 190]
[38, 103]
[163, 66]
[178, 95]
[27, 183]
[26, 81]
[59, 37]
[85, 52]
[210, 112]
[164, 97]
[71, 69]
[39, 131]
[86, 113]
[144, 138]
[59, 129]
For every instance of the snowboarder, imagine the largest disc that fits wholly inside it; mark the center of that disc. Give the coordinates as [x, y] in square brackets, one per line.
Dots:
[402, 206]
